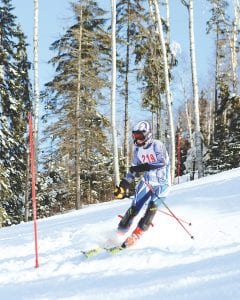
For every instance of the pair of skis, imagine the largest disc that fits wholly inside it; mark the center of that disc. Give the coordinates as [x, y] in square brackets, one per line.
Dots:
[125, 244]
[97, 250]
[110, 249]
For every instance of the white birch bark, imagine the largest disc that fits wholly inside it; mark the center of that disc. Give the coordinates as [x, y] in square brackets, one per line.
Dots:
[232, 39]
[210, 123]
[113, 95]
[197, 139]
[168, 21]
[236, 27]
[167, 88]
[189, 123]
[77, 116]
[36, 81]
[126, 83]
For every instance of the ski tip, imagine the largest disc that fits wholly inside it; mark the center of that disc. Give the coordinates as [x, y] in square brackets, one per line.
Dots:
[192, 237]
[124, 245]
[114, 250]
[91, 252]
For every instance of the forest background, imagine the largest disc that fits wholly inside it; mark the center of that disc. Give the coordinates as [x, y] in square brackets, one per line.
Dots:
[58, 76]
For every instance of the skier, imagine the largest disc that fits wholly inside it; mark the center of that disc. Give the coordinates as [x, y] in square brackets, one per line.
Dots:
[150, 156]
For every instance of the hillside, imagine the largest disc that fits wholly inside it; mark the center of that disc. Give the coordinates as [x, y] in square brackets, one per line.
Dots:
[165, 264]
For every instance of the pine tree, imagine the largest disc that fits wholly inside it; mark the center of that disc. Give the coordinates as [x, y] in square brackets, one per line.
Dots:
[221, 153]
[149, 54]
[129, 16]
[81, 75]
[234, 132]
[14, 106]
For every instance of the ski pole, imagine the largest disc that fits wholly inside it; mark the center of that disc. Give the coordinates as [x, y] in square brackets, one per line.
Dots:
[152, 190]
[164, 212]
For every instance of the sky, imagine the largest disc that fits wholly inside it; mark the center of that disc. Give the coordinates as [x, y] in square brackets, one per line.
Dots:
[165, 264]
[55, 16]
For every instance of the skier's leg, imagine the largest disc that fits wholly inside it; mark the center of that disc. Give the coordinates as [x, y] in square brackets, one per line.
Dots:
[143, 224]
[156, 200]
[141, 196]
[146, 220]
[127, 219]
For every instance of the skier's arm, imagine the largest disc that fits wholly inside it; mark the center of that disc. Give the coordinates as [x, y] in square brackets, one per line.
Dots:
[120, 191]
[135, 161]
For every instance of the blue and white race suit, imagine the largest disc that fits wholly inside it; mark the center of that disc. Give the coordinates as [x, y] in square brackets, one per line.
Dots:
[155, 154]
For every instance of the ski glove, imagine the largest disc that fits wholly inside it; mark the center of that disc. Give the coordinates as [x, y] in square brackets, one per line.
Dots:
[120, 191]
[140, 168]
[124, 184]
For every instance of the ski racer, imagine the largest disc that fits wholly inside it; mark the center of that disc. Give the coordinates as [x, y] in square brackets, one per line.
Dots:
[150, 157]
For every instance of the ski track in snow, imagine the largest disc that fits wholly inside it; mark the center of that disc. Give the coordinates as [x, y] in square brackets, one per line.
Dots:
[165, 264]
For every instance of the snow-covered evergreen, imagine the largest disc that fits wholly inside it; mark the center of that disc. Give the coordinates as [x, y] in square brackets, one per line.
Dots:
[80, 145]
[14, 107]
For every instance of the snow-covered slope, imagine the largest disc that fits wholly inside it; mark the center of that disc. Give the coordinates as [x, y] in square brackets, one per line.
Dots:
[165, 264]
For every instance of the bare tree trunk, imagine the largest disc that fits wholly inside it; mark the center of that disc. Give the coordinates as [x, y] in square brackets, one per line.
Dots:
[167, 89]
[216, 82]
[126, 120]
[210, 123]
[198, 140]
[157, 124]
[26, 204]
[167, 21]
[236, 26]
[77, 115]
[189, 123]
[232, 38]
[113, 95]
[36, 82]
[168, 39]
[233, 43]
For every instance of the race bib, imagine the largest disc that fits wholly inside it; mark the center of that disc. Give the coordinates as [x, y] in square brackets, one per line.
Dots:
[147, 155]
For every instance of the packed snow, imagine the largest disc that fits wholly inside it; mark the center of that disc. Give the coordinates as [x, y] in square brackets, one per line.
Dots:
[165, 264]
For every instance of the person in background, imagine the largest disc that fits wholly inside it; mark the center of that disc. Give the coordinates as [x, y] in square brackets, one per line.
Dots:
[150, 157]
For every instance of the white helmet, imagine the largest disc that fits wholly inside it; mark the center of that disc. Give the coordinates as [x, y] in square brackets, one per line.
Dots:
[142, 132]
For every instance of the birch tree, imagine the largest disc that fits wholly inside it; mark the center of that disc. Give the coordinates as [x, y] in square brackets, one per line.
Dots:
[197, 137]
[77, 114]
[113, 95]
[130, 19]
[233, 42]
[154, 3]
[126, 120]
[167, 21]
[36, 81]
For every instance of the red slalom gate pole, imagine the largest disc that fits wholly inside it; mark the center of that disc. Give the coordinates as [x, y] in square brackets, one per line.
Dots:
[176, 218]
[31, 144]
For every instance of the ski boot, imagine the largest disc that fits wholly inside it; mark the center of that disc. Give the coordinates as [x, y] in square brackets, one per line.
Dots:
[133, 238]
[143, 225]
[126, 221]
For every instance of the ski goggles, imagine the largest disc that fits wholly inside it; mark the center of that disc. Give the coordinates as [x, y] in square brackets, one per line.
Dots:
[138, 135]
